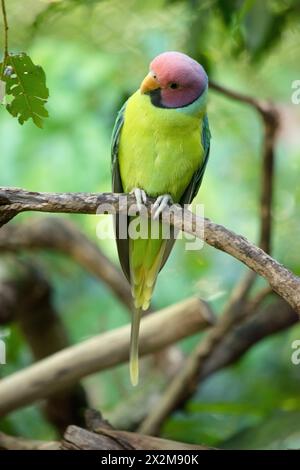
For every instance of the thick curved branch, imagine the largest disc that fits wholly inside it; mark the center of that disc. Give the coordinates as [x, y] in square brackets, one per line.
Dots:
[223, 346]
[103, 438]
[76, 438]
[66, 367]
[282, 281]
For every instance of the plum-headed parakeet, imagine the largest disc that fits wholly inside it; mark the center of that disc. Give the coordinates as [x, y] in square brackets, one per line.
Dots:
[160, 147]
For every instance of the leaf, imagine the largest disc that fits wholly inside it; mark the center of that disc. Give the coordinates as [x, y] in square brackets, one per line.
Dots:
[26, 83]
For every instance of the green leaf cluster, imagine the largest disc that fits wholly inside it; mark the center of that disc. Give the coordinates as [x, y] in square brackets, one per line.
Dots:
[26, 86]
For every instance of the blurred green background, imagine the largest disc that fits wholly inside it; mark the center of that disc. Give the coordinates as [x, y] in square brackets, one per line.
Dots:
[95, 54]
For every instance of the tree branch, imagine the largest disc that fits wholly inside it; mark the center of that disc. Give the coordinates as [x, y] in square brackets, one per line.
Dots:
[266, 321]
[224, 345]
[270, 117]
[103, 438]
[100, 435]
[103, 351]
[18, 443]
[60, 234]
[271, 125]
[26, 298]
[282, 281]
[264, 107]
[5, 30]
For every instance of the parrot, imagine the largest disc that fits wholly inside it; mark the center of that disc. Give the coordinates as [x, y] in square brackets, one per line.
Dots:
[159, 149]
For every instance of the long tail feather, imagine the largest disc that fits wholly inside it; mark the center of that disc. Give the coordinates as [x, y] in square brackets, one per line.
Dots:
[145, 258]
[134, 346]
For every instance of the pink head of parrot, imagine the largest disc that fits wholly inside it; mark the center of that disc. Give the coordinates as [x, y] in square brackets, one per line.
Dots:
[175, 80]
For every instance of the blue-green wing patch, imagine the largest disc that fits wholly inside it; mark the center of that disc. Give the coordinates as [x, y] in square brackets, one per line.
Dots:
[122, 244]
[116, 179]
[195, 183]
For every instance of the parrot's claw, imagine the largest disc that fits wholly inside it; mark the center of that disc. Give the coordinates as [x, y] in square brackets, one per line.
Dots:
[160, 204]
[140, 197]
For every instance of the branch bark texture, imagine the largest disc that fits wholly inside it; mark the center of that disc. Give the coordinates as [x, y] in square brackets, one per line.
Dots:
[282, 281]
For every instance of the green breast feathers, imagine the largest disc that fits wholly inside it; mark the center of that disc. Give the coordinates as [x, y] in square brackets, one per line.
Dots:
[160, 149]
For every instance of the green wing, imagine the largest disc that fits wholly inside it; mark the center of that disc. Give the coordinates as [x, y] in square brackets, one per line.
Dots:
[196, 181]
[122, 244]
[116, 179]
[193, 188]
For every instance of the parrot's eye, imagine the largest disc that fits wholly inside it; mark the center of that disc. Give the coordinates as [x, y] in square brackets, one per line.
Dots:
[173, 85]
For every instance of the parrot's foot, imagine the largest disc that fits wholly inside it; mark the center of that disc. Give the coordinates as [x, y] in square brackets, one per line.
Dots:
[140, 197]
[160, 204]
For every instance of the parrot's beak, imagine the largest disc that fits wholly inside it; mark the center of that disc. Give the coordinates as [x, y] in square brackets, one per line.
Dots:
[149, 83]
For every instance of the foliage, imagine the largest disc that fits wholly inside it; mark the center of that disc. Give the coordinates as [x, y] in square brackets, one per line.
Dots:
[22, 81]
[26, 84]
